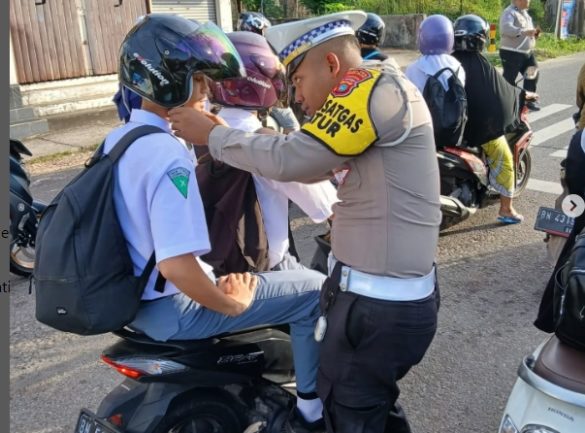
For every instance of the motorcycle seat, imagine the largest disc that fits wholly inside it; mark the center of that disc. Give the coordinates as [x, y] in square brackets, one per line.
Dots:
[562, 365]
[143, 339]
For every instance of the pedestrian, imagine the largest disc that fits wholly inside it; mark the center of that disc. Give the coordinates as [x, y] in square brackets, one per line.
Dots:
[370, 125]
[517, 42]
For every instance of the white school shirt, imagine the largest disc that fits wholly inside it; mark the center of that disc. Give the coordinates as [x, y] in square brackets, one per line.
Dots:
[419, 71]
[315, 199]
[157, 199]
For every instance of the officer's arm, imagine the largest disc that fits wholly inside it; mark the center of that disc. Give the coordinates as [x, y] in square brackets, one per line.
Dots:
[294, 157]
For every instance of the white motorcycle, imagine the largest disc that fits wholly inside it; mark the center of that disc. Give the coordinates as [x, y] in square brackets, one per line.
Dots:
[549, 394]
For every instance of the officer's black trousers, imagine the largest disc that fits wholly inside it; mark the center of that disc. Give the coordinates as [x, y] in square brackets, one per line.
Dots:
[514, 63]
[369, 345]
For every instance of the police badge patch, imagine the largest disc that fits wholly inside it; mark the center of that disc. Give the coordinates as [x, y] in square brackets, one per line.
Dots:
[180, 178]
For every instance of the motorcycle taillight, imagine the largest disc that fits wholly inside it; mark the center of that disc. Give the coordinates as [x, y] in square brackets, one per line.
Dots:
[137, 367]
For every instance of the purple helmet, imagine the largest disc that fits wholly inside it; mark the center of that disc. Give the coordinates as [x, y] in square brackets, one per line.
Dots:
[264, 83]
[435, 35]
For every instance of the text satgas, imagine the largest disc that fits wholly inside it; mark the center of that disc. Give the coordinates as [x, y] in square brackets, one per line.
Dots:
[333, 115]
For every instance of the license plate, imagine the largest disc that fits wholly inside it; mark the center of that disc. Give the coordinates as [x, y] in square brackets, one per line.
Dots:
[89, 423]
[554, 221]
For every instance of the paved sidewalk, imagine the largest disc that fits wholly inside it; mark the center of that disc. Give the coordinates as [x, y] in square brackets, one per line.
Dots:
[88, 129]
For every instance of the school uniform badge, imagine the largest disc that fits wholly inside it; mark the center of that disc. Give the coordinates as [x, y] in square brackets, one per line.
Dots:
[180, 178]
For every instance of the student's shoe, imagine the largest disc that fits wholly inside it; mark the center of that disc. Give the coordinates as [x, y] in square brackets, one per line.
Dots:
[533, 106]
[296, 423]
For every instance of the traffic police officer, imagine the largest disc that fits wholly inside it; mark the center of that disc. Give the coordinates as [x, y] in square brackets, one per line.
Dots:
[371, 126]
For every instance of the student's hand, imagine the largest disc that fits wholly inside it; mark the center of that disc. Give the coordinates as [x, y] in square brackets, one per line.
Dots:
[239, 287]
[193, 126]
[531, 96]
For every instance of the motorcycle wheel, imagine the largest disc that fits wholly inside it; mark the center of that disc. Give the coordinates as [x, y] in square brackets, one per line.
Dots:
[209, 416]
[22, 257]
[522, 173]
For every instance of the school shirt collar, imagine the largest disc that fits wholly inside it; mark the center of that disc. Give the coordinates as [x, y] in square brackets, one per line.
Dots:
[149, 118]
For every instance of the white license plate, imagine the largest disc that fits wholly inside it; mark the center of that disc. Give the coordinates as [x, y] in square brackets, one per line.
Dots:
[89, 423]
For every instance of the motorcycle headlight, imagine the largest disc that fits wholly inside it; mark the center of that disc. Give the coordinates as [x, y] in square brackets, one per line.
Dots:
[508, 426]
[536, 428]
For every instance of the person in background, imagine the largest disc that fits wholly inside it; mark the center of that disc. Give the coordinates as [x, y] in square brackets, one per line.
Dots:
[492, 105]
[370, 35]
[517, 41]
[435, 43]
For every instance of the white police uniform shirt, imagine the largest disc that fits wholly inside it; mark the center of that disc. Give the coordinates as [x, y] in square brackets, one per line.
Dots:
[157, 199]
[428, 65]
[316, 199]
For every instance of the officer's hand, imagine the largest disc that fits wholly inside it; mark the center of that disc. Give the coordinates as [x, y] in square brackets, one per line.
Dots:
[531, 33]
[239, 287]
[192, 125]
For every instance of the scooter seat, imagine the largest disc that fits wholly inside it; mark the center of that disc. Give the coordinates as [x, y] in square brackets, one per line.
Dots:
[143, 339]
[562, 365]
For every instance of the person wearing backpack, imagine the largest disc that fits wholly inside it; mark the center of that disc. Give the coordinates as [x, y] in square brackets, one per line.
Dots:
[263, 87]
[159, 206]
[492, 105]
[441, 79]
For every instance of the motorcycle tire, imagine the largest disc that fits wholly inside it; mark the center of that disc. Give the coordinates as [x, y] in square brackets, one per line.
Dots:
[522, 173]
[206, 415]
[23, 265]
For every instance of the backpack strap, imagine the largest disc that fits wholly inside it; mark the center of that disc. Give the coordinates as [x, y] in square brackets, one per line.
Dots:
[117, 151]
[440, 71]
[129, 138]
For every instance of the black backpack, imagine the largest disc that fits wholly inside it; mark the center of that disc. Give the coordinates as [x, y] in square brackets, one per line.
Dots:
[569, 297]
[448, 108]
[234, 219]
[84, 276]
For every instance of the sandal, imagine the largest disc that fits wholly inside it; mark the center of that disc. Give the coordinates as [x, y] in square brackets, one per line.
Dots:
[510, 219]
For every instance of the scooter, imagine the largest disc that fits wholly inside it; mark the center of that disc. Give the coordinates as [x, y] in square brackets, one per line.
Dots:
[240, 382]
[24, 213]
[549, 394]
[465, 174]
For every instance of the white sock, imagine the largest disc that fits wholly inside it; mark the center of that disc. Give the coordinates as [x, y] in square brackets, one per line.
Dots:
[312, 409]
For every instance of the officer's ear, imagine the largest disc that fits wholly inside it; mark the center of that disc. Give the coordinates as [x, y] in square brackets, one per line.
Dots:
[333, 64]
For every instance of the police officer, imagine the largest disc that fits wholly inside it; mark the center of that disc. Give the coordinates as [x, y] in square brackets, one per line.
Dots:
[518, 39]
[371, 126]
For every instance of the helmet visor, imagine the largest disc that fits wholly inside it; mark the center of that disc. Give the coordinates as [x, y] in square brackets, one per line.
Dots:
[211, 52]
[254, 91]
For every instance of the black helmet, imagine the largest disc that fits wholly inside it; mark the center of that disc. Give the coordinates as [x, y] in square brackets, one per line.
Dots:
[253, 22]
[373, 31]
[162, 52]
[471, 33]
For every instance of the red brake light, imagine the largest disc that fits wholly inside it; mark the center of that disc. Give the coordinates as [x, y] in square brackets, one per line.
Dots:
[126, 371]
[116, 420]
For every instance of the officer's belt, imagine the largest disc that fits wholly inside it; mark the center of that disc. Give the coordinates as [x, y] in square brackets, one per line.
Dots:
[386, 288]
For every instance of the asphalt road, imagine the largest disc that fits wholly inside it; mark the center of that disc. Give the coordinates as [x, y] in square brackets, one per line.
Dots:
[491, 279]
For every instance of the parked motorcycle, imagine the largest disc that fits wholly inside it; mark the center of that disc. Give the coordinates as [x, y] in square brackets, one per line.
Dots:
[549, 394]
[24, 213]
[241, 382]
[465, 174]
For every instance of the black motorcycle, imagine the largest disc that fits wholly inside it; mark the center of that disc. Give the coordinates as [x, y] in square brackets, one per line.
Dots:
[24, 213]
[241, 382]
